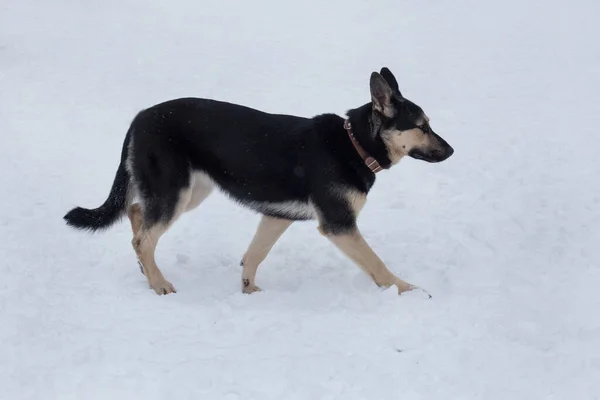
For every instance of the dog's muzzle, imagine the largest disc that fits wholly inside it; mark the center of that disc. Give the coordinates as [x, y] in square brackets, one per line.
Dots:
[432, 156]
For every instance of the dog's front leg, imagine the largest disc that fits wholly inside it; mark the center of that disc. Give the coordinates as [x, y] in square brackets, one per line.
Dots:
[354, 245]
[337, 222]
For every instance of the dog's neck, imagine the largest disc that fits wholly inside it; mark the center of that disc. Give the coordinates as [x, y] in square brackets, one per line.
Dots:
[369, 160]
[367, 134]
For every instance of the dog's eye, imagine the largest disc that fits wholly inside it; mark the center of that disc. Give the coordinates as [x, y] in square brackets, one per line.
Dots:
[425, 128]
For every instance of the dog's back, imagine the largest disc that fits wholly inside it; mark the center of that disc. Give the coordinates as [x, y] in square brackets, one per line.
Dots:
[252, 155]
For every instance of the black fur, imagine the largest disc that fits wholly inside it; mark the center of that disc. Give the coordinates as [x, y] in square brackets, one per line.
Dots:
[391, 80]
[114, 206]
[255, 157]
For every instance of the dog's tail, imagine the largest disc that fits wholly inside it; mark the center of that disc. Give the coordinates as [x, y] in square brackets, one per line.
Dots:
[115, 205]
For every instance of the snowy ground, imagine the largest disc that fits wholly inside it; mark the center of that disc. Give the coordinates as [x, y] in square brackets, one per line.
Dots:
[505, 234]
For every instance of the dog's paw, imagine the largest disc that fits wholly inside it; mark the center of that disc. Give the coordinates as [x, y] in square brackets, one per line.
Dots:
[162, 287]
[404, 287]
[249, 288]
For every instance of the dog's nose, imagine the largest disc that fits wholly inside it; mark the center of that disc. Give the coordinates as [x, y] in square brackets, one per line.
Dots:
[442, 154]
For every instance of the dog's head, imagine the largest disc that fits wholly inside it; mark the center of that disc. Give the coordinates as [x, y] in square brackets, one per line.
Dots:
[401, 125]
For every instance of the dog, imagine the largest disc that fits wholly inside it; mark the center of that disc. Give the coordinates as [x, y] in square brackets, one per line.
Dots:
[286, 168]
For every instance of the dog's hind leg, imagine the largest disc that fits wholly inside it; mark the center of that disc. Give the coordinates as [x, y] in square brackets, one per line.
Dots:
[134, 213]
[150, 223]
[158, 214]
[144, 243]
[146, 238]
[269, 231]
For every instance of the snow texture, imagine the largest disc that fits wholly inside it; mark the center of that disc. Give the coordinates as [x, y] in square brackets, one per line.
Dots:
[505, 234]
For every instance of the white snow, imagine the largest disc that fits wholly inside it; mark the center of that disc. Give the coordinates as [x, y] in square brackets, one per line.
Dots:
[505, 234]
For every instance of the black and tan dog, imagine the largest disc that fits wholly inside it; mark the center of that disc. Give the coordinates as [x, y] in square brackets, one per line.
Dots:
[286, 168]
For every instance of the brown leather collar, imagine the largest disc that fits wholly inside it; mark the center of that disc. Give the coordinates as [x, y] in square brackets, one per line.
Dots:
[369, 160]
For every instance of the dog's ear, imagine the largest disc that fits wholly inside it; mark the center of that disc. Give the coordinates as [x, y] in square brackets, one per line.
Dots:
[391, 80]
[381, 95]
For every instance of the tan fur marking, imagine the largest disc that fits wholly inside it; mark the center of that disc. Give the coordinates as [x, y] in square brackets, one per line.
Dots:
[358, 250]
[135, 217]
[357, 201]
[400, 143]
[134, 213]
[144, 243]
[269, 231]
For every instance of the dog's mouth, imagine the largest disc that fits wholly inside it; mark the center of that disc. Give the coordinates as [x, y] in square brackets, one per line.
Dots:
[433, 156]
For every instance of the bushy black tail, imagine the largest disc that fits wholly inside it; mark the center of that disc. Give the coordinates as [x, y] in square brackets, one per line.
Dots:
[115, 205]
[109, 212]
